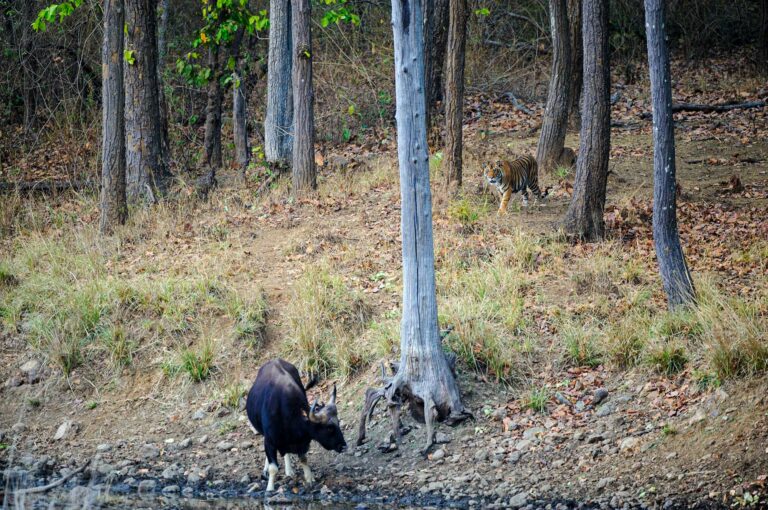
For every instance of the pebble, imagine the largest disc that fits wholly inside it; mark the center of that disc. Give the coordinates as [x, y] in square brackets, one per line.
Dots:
[146, 486]
[202, 439]
[224, 446]
[533, 433]
[149, 451]
[65, 430]
[32, 371]
[104, 447]
[599, 395]
[628, 443]
[439, 454]
[171, 489]
[605, 482]
[604, 410]
[519, 500]
[523, 445]
[199, 415]
[442, 438]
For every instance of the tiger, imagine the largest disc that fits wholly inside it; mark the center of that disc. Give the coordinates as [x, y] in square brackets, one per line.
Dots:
[510, 177]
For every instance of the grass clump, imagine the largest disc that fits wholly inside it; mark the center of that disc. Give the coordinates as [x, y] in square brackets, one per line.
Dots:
[232, 395]
[581, 345]
[250, 316]
[467, 212]
[485, 305]
[536, 399]
[668, 358]
[198, 363]
[325, 322]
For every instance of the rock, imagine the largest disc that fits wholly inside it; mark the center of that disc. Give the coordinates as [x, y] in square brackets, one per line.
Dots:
[202, 439]
[523, 445]
[628, 443]
[199, 415]
[580, 405]
[171, 489]
[599, 395]
[147, 486]
[79, 496]
[439, 454]
[149, 451]
[193, 478]
[183, 444]
[519, 500]
[104, 447]
[533, 433]
[513, 457]
[14, 382]
[595, 438]
[31, 371]
[245, 445]
[481, 455]
[19, 427]
[604, 410]
[224, 446]
[605, 482]
[562, 399]
[699, 416]
[499, 414]
[222, 412]
[171, 472]
[66, 430]
[442, 438]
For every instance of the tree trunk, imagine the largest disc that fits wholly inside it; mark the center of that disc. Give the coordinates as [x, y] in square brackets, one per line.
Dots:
[423, 377]
[212, 140]
[28, 81]
[278, 123]
[146, 172]
[454, 91]
[555, 123]
[763, 43]
[584, 219]
[113, 201]
[577, 62]
[675, 276]
[162, 50]
[303, 171]
[239, 115]
[436, 22]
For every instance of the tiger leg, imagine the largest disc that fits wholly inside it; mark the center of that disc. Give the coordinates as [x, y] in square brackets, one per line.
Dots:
[525, 197]
[504, 201]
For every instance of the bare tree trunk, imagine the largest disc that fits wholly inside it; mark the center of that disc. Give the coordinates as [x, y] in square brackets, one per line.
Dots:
[239, 115]
[212, 140]
[675, 276]
[146, 173]
[162, 49]
[303, 171]
[423, 377]
[28, 82]
[278, 123]
[577, 62]
[113, 201]
[454, 91]
[435, 43]
[763, 43]
[555, 123]
[584, 219]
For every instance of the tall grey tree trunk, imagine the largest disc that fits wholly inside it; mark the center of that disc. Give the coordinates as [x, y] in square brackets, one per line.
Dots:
[454, 91]
[555, 123]
[436, 22]
[146, 173]
[675, 276]
[763, 43]
[303, 171]
[239, 114]
[162, 51]
[28, 16]
[577, 61]
[113, 201]
[584, 219]
[424, 377]
[278, 122]
[212, 138]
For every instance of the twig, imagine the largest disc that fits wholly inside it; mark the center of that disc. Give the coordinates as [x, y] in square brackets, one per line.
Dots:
[509, 96]
[45, 186]
[709, 108]
[55, 483]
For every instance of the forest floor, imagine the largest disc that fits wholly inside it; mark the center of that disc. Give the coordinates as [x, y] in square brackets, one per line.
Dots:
[585, 391]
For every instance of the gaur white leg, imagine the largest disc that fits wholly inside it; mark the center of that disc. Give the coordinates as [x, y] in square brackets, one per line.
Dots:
[289, 472]
[272, 475]
[308, 477]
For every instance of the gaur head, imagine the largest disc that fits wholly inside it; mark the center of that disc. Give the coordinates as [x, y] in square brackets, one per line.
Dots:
[325, 425]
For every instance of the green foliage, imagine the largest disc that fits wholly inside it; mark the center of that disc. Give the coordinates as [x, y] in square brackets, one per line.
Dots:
[198, 363]
[482, 11]
[668, 359]
[536, 399]
[129, 57]
[338, 13]
[53, 11]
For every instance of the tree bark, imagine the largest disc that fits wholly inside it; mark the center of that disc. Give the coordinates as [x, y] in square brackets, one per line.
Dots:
[436, 21]
[239, 114]
[584, 219]
[555, 123]
[423, 377]
[454, 91]
[113, 200]
[675, 276]
[577, 62]
[162, 50]
[763, 43]
[303, 171]
[146, 173]
[212, 139]
[278, 123]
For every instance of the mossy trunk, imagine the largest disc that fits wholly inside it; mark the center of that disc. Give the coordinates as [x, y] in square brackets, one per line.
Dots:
[278, 123]
[303, 171]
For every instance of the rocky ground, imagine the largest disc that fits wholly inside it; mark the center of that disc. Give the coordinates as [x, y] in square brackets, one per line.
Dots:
[608, 443]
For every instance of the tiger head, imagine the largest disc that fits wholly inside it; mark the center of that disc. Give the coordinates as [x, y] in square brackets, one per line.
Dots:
[492, 172]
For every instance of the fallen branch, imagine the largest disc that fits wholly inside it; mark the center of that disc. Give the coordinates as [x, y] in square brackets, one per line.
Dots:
[709, 108]
[509, 96]
[45, 186]
[55, 483]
